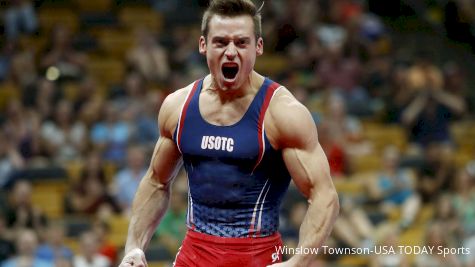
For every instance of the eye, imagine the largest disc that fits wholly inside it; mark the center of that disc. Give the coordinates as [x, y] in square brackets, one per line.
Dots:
[220, 42]
[241, 42]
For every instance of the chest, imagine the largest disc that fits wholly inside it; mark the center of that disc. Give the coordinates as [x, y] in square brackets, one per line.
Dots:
[222, 113]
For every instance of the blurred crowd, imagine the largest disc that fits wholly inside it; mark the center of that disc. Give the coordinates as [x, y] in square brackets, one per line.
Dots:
[62, 121]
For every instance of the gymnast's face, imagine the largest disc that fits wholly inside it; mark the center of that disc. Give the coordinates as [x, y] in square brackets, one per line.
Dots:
[231, 49]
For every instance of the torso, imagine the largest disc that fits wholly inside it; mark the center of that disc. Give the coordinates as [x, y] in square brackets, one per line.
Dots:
[237, 178]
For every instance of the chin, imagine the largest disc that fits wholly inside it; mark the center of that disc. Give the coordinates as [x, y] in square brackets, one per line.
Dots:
[231, 84]
[227, 84]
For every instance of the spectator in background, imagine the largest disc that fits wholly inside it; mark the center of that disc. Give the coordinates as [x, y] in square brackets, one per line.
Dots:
[62, 55]
[469, 259]
[435, 172]
[54, 249]
[111, 135]
[388, 237]
[10, 159]
[89, 255]
[90, 194]
[22, 130]
[428, 115]
[184, 55]
[398, 97]
[290, 228]
[43, 98]
[171, 230]
[7, 248]
[145, 124]
[127, 180]
[164, 6]
[106, 248]
[395, 188]
[6, 55]
[338, 159]
[23, 68]
[353, 227]
[446, 216]
[19, 16]
[26, 244]
[130, 97]
[437, 236]
[148, 57]
[343, 74]
[460, 21]
[344, 134]
[463, 201]
[455, 80]
[63, 136]
[21, 213]
[339, 73]
[86, 91]
[92, 112]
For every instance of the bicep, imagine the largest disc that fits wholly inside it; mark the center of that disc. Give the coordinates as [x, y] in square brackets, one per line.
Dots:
[166, 160]
[297, 137]
[309, 169]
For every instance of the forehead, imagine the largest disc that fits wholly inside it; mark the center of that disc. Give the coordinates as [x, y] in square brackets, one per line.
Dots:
[231, 26]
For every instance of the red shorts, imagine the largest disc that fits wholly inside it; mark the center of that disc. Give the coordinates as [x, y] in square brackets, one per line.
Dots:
[203, 250]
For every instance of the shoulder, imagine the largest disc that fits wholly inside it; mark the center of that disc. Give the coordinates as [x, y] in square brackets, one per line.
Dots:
[170, 110]
[291, 120]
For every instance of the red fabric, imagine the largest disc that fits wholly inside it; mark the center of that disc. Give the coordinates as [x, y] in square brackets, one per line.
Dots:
[265, 105]
[202, 250]
[183, 113]
[336, 160]
[110, 251]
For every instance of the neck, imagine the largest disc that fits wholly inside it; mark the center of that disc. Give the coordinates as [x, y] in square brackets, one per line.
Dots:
[250, 86]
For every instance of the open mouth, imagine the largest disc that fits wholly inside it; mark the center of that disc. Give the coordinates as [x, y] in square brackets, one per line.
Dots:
[230, 70]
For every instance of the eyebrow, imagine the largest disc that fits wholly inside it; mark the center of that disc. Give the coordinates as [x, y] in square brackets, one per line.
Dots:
[221, 38]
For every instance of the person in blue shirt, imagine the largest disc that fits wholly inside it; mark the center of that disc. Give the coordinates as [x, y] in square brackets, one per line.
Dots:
[26, 245]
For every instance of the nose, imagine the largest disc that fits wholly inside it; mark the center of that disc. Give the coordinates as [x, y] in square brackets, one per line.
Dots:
[231, 51]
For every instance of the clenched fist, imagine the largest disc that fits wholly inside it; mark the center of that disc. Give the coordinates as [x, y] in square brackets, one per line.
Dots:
[135, 258]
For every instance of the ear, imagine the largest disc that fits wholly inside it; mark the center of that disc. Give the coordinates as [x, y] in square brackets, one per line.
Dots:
[202, 45]
[260, 46]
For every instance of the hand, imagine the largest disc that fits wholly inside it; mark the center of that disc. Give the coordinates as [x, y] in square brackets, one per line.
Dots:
[135, 258]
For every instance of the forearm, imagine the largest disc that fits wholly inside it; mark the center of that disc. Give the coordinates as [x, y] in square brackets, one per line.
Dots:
[410, 114]
[149, 206]
[452, 102]
[318, 222]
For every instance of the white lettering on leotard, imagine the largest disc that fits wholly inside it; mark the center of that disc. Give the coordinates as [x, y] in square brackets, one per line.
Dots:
[217, 143]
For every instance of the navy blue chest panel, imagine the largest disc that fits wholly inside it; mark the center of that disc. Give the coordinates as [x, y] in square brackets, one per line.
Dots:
[236, 178]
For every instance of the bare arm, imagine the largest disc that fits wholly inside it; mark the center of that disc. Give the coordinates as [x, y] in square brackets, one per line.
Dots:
[451, 101]
[153, 195]
[410, 114]
[308, 166]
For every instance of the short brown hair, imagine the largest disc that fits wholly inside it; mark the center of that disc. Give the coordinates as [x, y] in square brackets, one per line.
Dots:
[232, 8]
